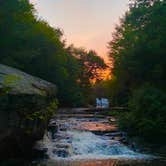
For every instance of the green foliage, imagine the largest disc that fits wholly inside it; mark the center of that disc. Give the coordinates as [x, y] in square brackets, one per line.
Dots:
[42, 114]
[89, 66]
[138, 47]
[148, 114]
[4, 91]
[34, 116]
[35, 47]
[138, 51]
[50, 110]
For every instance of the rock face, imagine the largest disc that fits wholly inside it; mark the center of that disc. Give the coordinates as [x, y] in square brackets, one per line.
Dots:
[26, 104]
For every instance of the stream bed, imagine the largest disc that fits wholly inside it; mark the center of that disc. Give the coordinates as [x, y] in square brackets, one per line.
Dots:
[82, 138]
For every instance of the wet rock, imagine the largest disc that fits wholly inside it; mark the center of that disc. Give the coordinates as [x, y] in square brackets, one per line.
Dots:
[124, 141]
[63, 127]
[118, 139]
[114, 134]
[112, 119]
[53, 129]
[61, 152]
[39, 146]
[64, 146]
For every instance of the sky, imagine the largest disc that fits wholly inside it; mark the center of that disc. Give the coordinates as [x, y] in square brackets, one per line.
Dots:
[85, 23]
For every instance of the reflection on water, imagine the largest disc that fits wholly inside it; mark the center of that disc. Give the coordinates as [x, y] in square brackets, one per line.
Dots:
[108, 162]
[83, 163]
[97, 126]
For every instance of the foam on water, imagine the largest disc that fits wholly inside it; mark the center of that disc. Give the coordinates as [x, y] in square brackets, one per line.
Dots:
[73, 142]
[86, 145]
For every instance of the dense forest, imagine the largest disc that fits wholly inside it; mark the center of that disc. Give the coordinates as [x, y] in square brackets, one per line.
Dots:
[138, 51]
[32, 45]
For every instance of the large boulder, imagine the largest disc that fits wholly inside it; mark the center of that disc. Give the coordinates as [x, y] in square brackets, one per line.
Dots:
[26, 104]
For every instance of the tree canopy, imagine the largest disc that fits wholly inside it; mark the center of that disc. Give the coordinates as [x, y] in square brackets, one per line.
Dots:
[138, 50]
[31, 44]
[138, 47]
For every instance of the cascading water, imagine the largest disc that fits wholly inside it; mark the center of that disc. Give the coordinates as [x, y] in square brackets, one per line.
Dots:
[81, 139]
[75, 139]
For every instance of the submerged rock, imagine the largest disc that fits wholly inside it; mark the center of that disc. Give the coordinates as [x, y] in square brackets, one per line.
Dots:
[26, 104]
[60, 152]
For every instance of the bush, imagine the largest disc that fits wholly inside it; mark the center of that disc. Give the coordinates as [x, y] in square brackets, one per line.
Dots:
[147, 118]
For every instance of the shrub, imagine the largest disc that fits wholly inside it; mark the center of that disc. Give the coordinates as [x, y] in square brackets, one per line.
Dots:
[147, 118]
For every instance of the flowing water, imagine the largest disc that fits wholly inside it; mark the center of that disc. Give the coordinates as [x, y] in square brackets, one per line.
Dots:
[81, 139]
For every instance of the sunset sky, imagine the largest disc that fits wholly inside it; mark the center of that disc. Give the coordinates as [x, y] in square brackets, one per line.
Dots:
[86, 23]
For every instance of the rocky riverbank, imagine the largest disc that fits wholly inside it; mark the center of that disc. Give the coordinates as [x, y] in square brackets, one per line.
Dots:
[26, 104]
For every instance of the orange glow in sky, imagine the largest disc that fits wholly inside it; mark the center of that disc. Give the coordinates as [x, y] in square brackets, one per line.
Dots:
[86, 23]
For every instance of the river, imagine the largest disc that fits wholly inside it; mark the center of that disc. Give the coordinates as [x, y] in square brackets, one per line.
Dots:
[79, 137]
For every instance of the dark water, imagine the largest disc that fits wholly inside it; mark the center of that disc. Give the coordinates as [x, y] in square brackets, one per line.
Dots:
[82, 139]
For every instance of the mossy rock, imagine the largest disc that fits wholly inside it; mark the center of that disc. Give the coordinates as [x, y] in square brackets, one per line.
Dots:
[14, 81]
[26, 104]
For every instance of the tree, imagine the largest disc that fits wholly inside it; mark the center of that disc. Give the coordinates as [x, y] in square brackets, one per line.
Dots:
[31, 44]
[90, 65]
[148, 115]
[138, 47]
[138, 50]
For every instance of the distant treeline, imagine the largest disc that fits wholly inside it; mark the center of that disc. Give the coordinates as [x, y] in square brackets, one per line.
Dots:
[32, 45]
